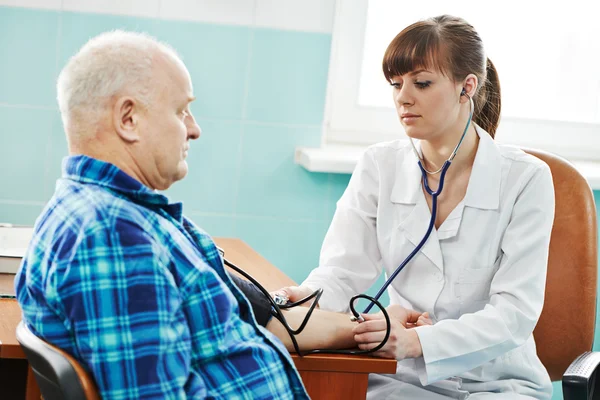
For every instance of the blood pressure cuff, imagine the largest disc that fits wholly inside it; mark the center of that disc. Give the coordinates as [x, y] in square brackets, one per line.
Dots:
[260, 305]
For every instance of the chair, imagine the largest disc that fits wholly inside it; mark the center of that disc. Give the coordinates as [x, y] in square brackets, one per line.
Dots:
[59, 376]
[565, 331]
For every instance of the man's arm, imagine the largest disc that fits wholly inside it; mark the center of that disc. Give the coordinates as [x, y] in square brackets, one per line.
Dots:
[331, 330]
[324, 330]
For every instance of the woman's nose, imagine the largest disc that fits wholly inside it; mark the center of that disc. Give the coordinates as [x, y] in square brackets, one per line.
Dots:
[403, 96]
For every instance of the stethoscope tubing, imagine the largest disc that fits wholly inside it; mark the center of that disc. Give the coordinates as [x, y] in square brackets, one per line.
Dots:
[434, 199]
[434, 196]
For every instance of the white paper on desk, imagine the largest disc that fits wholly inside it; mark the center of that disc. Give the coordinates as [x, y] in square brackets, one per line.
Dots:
[14, 240]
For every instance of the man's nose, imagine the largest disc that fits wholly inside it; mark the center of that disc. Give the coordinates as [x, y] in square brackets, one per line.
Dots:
[194, 130]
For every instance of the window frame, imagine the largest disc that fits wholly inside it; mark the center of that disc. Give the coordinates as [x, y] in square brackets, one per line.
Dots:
[346, 123]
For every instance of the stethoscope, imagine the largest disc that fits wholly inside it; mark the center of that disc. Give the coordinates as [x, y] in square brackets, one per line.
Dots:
[281, 303]
[434, 196]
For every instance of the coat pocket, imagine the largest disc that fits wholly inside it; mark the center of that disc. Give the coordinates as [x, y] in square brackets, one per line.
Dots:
[473, 288]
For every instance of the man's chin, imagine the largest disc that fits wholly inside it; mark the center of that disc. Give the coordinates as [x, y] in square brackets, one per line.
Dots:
[182, 171]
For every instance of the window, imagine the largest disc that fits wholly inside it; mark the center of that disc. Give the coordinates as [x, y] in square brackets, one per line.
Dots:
[547, 57]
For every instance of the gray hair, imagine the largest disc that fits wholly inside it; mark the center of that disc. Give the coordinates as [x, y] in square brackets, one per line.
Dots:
[112, 63]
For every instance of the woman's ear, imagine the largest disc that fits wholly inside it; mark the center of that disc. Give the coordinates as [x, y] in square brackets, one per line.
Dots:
[469, 86]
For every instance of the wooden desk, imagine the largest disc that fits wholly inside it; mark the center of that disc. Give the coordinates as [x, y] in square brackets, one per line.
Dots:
[324, 376]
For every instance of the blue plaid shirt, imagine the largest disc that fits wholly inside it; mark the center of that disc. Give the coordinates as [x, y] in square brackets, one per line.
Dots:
[118, 278]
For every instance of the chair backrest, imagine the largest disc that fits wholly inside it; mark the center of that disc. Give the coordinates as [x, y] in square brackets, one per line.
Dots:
[59, 376]
[566, 327]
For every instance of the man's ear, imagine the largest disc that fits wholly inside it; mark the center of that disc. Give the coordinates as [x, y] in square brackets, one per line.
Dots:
[126, 116]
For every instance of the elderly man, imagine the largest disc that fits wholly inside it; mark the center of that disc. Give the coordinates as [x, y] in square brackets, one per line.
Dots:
[115, 275]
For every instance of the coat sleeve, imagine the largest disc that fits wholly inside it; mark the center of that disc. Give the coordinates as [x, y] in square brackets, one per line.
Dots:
[350, 260]
[516, 297]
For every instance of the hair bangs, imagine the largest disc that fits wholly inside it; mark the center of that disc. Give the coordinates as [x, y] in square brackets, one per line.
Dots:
[415, 48]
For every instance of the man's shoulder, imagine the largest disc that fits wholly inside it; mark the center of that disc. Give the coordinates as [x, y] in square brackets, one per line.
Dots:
[77, 212]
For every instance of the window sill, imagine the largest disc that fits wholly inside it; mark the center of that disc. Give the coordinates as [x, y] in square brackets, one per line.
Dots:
[342, 160]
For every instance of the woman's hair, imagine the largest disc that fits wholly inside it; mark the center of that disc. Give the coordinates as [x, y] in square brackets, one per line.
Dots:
[453, 47]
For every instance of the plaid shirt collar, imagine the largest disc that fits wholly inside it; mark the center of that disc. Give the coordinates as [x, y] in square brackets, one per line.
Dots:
[88, 170]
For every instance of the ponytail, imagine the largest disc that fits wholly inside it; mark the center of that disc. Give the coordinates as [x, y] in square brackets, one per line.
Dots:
[487, 102]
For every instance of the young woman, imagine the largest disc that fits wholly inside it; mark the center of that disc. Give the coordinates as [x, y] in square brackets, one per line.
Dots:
[481, 272]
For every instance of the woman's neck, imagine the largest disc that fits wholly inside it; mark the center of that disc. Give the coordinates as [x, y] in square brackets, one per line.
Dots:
[436, 152]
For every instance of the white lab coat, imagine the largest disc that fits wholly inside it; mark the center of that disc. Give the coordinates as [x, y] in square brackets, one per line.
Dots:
[481, 275]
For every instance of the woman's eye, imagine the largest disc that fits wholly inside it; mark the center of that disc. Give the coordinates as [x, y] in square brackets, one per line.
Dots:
[396, 85]
[423, 85]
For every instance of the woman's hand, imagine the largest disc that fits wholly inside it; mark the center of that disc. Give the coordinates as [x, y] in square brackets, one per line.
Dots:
[424, 320]
[402, 343]
[407, 317]
[294, 293]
